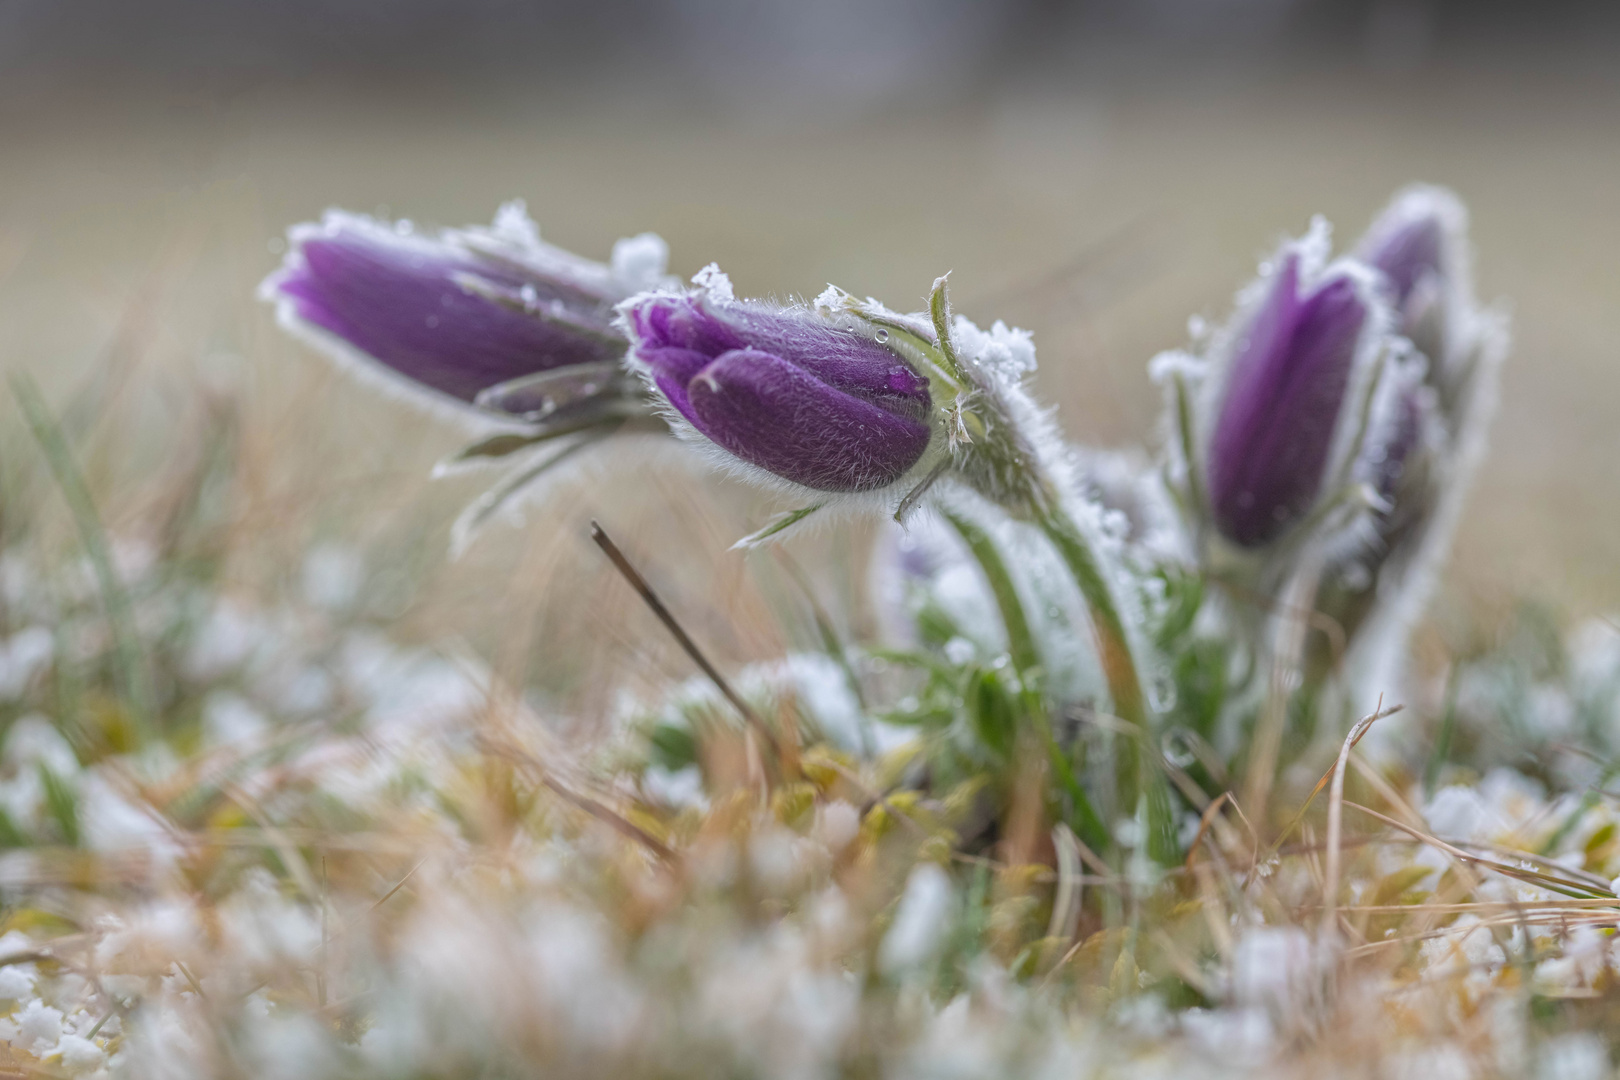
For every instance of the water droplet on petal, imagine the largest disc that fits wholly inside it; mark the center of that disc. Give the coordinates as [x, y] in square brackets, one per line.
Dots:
[882, 336]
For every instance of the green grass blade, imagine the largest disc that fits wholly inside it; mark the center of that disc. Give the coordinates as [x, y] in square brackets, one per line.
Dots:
[134, 678]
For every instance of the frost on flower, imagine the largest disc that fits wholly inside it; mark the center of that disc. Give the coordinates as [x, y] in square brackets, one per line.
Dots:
[796, 395]
[1007, 352]
[455, 316]
[1273, 401]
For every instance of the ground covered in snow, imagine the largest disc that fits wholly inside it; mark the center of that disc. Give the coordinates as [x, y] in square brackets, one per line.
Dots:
[339, 856]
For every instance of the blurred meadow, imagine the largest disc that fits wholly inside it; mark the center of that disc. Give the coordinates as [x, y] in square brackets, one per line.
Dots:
[1093, 174]
[286, 791]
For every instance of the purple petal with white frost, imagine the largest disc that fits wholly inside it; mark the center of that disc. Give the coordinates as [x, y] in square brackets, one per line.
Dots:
[781, 418]
[785, 390]
[447, 318]
[841, 358]
[1405, 254]
[1274, 430]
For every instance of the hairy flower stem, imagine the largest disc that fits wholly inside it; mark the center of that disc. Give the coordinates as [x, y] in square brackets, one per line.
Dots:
[996, 452]
[1135, 774]
[1020, 642]
[1025, 659]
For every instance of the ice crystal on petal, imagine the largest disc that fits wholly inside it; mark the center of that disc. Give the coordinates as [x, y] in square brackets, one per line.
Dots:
[714, 281]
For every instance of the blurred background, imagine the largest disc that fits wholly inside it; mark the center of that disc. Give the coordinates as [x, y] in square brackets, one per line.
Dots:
[1094, 171]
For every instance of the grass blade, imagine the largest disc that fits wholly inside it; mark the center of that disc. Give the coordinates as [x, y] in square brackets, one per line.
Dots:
[134, 679]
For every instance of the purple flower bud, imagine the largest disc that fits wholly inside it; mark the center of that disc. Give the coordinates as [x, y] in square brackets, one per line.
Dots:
[1418, 246]
[459, 313]
[1385, 462]
[1284, 389]
[1407, 253]
[800, 395]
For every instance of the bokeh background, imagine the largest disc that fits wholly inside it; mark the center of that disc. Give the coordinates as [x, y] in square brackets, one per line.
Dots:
[1096, 172]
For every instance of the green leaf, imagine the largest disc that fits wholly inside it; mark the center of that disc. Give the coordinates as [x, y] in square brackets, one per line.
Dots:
[1184, 596]
[480, 510]
[10, 835]
[992, 711]
[537, 396]
[673, 746]
[939, 309]
[62, 803]
[1200, 678]
[603, 417]
[1082, 816]
[1135, 771]
[1189, 446]
[776, 526]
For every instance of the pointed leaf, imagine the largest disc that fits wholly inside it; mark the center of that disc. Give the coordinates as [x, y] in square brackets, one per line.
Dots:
[777, 525]
[480, 510]
[545, 393]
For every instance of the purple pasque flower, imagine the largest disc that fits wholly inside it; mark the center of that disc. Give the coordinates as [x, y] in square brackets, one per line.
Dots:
[810, 398]
[1284, 389]
[1405, 250]
[1418, 246]
[463, 313]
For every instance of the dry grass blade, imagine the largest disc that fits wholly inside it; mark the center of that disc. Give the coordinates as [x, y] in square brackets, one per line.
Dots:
[1327, 778]
[1532, 877]
[1066, 904]
[1335, 827]
[1204, 823]
[633, 576]
[599, 810]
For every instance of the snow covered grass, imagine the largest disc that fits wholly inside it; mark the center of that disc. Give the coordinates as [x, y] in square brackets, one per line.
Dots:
[307, 845]
[360, 859]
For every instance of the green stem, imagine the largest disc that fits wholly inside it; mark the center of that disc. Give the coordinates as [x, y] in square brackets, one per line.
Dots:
[1442, 744]
[1020, 642]
[1136, 775]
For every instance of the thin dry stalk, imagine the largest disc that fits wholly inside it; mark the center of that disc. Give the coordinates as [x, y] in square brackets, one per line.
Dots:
[1531, 877]
[1066, 904]
[633, 576]
[1335, 823]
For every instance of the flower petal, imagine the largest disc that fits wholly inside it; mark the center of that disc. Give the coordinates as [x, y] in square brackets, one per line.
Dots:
[405, 303]
[835, 355]
[775, 415]
[1275, 429]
